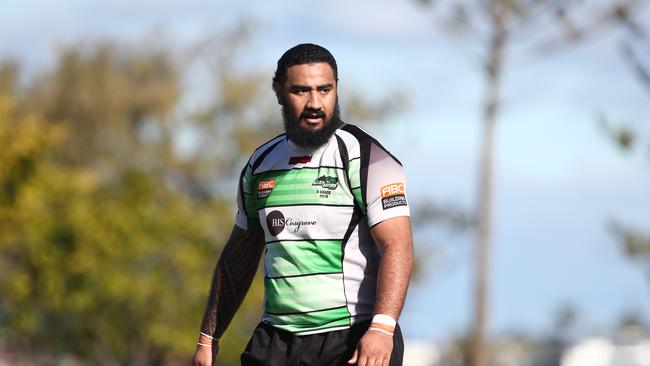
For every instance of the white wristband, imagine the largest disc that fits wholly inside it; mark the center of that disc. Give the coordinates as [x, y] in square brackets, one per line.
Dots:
[209, 336]
[384, 319]
[381, 330]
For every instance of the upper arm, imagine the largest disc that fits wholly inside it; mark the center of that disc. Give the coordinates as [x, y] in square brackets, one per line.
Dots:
[387, 206]
[394, 233]
[385, 186]
[246, 217]
[246, 236]
[244, 244]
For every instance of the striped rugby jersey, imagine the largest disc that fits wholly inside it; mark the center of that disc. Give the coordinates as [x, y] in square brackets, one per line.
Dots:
[316, 208]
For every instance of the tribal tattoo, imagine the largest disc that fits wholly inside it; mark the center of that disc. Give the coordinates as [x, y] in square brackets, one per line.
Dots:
[232, 278]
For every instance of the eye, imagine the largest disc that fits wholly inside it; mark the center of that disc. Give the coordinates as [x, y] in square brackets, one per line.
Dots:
[300, 91]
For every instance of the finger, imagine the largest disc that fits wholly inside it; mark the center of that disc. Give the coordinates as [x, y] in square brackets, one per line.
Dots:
[353, 360]
[377, 360]
[363, 360]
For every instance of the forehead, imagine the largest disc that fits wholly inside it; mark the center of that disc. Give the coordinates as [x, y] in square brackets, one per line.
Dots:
[310, 74]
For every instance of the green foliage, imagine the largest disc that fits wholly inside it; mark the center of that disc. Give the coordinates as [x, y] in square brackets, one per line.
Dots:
[106, 248]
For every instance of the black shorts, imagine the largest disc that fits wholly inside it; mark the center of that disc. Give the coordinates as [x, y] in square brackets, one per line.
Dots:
[270, 346]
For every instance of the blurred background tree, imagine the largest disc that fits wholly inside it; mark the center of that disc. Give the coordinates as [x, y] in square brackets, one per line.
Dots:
[497, 27]
[117, 185]
[635, 50]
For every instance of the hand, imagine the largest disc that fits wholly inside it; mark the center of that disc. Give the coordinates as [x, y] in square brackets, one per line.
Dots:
[374, 349]
[203, 356]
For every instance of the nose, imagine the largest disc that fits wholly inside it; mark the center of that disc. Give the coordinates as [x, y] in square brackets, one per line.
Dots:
[314, 101]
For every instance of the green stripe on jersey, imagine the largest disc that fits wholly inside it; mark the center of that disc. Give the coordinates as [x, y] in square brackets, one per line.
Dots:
[310, 322]
[251, 208]
[290, 258]
[304, 186]
[304, 294]
[354, 171]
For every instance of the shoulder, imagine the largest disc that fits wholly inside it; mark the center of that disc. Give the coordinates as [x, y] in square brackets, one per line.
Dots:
[265, 148]
[359, 143]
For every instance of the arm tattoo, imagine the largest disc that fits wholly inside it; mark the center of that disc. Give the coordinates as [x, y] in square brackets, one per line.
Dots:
[232, 278]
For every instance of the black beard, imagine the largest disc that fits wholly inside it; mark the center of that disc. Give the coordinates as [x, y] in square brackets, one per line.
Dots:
[307, 138]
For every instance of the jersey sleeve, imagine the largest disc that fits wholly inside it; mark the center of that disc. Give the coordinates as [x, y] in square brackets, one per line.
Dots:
[385, 188]
[246, 217]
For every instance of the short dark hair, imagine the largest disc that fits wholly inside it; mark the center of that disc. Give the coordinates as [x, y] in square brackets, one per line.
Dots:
[305, 53]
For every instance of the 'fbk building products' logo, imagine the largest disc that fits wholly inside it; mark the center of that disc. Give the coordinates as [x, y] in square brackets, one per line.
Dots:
[276, 222]
[264, 188]
[393, 195]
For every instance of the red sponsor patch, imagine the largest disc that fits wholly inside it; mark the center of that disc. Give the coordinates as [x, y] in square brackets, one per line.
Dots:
[392, 190]
[266, 184]
[299, 159]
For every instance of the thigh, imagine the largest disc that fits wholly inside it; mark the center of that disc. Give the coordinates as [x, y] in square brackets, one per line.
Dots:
[267, 347]
[340, 346]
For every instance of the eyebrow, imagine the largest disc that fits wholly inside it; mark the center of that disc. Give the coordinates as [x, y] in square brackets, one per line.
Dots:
[325, 86]
[298, 87]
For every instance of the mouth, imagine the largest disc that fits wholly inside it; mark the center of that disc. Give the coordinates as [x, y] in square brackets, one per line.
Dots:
[313, 118]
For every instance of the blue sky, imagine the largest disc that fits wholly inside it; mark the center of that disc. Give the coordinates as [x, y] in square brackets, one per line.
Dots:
[558, 178]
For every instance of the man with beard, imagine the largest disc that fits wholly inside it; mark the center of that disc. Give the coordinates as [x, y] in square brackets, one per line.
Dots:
[326, 204]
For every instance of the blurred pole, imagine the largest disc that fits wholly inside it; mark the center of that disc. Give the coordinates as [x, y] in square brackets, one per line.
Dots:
[493, 70]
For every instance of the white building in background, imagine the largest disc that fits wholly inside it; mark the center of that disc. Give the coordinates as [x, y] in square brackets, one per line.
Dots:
[603, 352]
[420, 353]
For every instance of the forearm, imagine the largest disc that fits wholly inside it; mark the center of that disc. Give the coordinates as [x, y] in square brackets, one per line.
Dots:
[394, 241]
[232, 278]
[396, 248]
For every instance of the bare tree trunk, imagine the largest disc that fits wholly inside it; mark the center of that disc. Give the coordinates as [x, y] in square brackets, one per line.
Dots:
[480, 348]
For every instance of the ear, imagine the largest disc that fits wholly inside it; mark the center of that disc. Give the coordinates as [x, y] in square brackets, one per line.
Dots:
[277, 88]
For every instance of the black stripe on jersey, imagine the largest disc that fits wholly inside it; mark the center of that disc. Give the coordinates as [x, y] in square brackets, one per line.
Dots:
[354, 222]
[304, 167]
[304, 204]
[255, 164]
[307, 312]
[361, 135]
[264, 153]
[302, 275]
[343, 151]
[364, 147]
[365, 143]
[241, 190]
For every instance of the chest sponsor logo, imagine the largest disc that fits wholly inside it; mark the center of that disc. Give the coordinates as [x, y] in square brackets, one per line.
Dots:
[393, 195]
[299, 159]
[276, 223]
[264, 188]
[326, 182]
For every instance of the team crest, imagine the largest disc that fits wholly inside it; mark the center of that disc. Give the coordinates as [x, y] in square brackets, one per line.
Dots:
[326, 182]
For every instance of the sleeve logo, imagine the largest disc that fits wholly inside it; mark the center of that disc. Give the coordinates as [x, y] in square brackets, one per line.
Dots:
[264, 188]
[393, 195]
